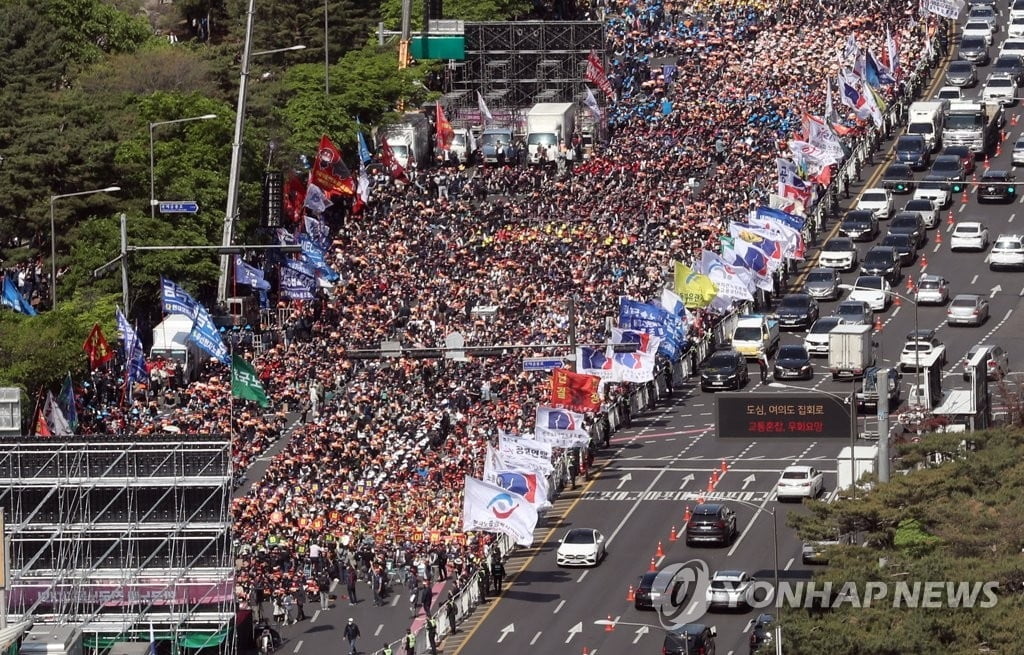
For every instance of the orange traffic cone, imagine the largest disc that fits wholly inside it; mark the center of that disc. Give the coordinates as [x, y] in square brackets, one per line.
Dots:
[963, 197]
[610, 626]
[896, 301]
[938, 236]
[986, 163]
[585, 651]
[725, 467]
[910, 284]
[711, 485]
[653, 568]
[999, 150]
[949, 221]
[660, 552]
[672, 535]
[686, 515]
[1002, 135]
[878, 324]
[630, 595]
[924, 262]
[714, 477]
[700, 499]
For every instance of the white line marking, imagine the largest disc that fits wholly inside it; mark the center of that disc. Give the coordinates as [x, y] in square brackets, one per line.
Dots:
[1012, 216]
[894, 312]
[974, 279]
[660, 560]
[298, 647]
[535, 638]
[560, 604]
[750, 624]
[316, 615]
[582, 575]
[936, 248]
[754, 518]
[394, 601]
[788, 564]
[380, 628]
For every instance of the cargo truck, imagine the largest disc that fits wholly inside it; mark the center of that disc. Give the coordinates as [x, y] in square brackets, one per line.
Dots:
[547, 125]
[492, 141]
[973, 124]
[409, 140]
[852, 465]
[170, 341]
[926, 120]
[850, 351]
[754, 335]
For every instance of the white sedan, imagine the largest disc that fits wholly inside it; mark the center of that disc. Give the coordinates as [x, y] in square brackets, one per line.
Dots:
[729, 589]
[969, 235]
[800, 482]
[580, 547]
[872, 289]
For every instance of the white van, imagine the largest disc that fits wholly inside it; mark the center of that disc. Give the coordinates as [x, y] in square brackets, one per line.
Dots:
[926, 120]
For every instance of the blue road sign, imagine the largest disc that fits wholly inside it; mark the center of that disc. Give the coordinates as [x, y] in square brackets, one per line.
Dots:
[179, 207]
[542, 363]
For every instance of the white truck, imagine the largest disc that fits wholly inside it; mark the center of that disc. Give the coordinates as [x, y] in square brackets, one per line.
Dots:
[852, 466]
[754, 335]
[926, 119]
[850, 351]
[409, 139]
[973, 124]
[170, 341]
[547, 125]
[463, 144]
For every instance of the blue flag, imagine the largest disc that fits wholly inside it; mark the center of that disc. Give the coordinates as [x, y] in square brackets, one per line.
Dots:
[176, 300]
[790, 220]
[66, 402]
[875, 73]
[250, 275]
[364, 153]
[135, 359]
[298, 281]
[204, 334]
[318, 233]
[315, 258]
[12, 298]
[644, 317]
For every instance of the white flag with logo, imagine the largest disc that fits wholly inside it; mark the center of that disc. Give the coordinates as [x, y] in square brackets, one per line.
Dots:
[530, 485]
[485, 113]
[523, 454]
[490, 508]
[560, 428]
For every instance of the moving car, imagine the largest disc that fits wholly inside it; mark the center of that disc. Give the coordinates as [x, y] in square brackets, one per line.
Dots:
[873, 290]
[912, 150]
[1010, 65]
[932, 290]
[986, 14]
[965, 154]
[920, 345]
[729, 589]
[690, 639]
[1012, 46]
[974, 48]
[904, 247]
[884, 261]
[951, 93]
[793, 362]
[967, 309]
[646, 597]
[839, 253]
[909, 223]
[762, 635]
[980, 29]
[878, 201]
[816, 341]
[1008, 252]
[969, 235]
[822, 284]
[949, 166]
[935, 188]
[997, 186]
[998, 361]
[725, 369]
[797, 310]
[854, 312]
[926, 210]
[1016, 27]
[580, 547]
[799, 482]
[898, 178]
[860, 225]
[1001, 88]
[711, 522]
[1017, 156]
[962, 74]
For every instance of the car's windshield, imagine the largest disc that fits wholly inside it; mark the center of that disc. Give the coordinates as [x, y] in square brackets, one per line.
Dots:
[960, 67]
[1000, 83]
[967, 229]
[721, 361]
[946, 163]
[822, 276]
[904, 221]
[929, 284]
[877, 258]
[792, 352]
[875, 196]
[579, 537]
[1009, 244]
[850, 310]
[964, 302]
[794, 475]
[823, 326]
[839, 244]
[973, 42]
[747, 334]
[870, 282]
[794, 302]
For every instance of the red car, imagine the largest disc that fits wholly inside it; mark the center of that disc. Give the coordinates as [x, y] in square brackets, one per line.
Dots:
[965, 155]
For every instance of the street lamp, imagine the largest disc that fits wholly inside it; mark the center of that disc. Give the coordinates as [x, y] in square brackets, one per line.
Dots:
[152, 180]
[851, 400]
[53, 236]
[236, 147]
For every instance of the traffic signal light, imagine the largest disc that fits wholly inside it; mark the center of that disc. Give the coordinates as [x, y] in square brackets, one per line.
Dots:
[272, 207]
[1009, 189]
[957, 187]
[901, 187]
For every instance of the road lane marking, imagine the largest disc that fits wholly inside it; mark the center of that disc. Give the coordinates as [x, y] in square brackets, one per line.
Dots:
[788, 564]
[560, 604]
[750, 525]
[936, 248]
[298, 647]
[1012, 216]
[394, 601]
[535, 638]
[660, 560]
[316, 615]
[582, 575]
[974, 279]
[380, 628]
[748, 626]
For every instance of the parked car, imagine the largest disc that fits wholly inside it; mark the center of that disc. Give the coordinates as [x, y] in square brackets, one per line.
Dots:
[926, 210]
[793, 362]
[904, 247]
[909, 223]
[822, 284]
[932, 290]
[962, 74]
[799, 482]
[711, 522]
[725, 369]
[898, 178]
[884, 261]
[969, 235]
[580, 547]
[998, 361]
[1007, 252]
[921, 345]
[729, 589]
[816, 340]
[839, 253]
[873, 290]
[797, 310]
[997, 186]
[860, 225]
[967, 309]
[854, 312]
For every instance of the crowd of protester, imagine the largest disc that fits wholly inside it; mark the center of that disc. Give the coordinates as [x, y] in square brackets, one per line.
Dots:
[371, 477]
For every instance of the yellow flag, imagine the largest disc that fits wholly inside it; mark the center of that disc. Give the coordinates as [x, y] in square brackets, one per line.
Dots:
[695, 289]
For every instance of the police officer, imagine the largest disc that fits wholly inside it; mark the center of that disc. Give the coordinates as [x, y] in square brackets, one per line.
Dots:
[432, 635]
[386, 650]
[484, 579]
[452, 614]
[497, 575]
[409, 641]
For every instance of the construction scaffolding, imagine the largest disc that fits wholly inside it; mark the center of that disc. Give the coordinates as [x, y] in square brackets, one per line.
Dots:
[121, 535]
[518, 64]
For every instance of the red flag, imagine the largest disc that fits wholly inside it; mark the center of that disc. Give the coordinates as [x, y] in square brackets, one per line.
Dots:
[295, 199]
[575, 391]
[329, 171]
[41, 427]
[445, 133]
[97, 348]
[595, 74]
[387, 157]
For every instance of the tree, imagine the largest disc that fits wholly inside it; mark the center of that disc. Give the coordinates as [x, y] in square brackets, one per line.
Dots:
[471, 10]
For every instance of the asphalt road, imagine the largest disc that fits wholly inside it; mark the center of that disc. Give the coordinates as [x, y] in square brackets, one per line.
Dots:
[658, 467]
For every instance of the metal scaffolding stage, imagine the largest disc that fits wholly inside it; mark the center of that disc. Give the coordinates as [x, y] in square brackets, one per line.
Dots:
[117, 534]
[518, 64]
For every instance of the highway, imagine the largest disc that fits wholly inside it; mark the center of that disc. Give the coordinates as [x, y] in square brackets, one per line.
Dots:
[660, 465]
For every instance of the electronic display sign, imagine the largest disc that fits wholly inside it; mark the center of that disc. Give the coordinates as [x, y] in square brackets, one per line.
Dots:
[792, 415]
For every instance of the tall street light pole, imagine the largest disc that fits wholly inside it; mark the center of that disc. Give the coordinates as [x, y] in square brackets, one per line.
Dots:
[231, 211]
[152, 177]
[53, 236]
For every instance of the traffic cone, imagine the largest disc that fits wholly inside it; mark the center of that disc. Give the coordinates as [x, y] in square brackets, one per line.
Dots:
[963, 196]
[878, 324]
[987, 165]
[672, 535]
[711, 485]
[896, 301]
[1002, 135]
[586, 651]
[924, 262]
[725, 467]
[700, 499]
[949, 221]
[653, 568]
[999, 150]
[938, 236]
[686, 515]
[660, 552]
[609, 627]
[630, 595]
[714, 478]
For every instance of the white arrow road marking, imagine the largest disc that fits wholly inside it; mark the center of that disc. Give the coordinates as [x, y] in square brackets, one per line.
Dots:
[688, 478]
[640, 632]
[573, 631]
[624, 479]
[747, 480]
[505, 631]
[996, 289]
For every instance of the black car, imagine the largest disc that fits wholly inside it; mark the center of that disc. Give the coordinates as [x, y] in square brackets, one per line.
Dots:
[950, 167]
[793, 363]
[725, 369]
[962, 74]
[713, 522]
[898, 178]
[975, 50]
[904, 246]
[642, 597]
[690, 639]
[860, 225]
[1011, 65]
[884, 261]
[997, 186]
[797, 310]
[762, 634]
[909, 223]
[965, 154]
[913, 150]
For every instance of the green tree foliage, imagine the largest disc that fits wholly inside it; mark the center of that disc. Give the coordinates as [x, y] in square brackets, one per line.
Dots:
[958, 522]
[472, 10]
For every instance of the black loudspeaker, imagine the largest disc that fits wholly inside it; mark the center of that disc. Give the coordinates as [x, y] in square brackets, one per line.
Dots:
[272, 207]
[432, 10]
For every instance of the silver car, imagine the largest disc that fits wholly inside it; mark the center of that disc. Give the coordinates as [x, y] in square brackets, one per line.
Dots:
[822, 284]
[854, 312]
[932, 290]
[998, 362]
[967, 309]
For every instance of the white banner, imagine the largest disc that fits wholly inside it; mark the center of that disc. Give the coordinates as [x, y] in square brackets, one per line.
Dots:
[944, 8]
[560, 428]
[524, 454]
[530, 485]
[733, 282]
[490, 508]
